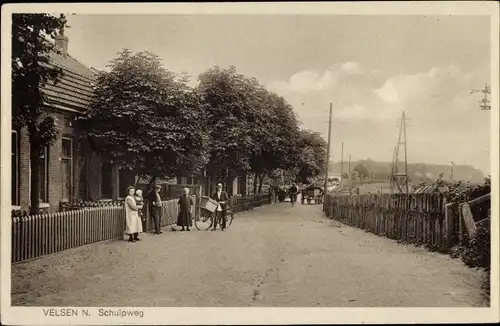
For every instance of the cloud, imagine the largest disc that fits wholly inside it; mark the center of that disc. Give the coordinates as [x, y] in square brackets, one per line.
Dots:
[371, 94]
[441, 83]
[308, 81]
[352, 112]
[352, 67]
[445, 122]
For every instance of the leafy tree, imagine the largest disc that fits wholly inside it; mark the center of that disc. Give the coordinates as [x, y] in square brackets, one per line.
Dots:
[278, 139]
[312, 155]
[362, 171]
[146, 119]
[31, 71]
[234, 115]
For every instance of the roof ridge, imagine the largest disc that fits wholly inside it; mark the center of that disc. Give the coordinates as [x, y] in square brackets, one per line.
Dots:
[65, 60]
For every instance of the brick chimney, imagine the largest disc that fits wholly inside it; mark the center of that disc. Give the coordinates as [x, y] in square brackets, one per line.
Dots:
[62, 42]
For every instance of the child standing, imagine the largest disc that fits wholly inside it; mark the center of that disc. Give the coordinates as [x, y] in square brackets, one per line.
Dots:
[139, 200]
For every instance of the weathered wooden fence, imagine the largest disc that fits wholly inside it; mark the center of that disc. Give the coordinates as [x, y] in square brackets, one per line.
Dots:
[415, 218]
[38, 235]
[239, 204]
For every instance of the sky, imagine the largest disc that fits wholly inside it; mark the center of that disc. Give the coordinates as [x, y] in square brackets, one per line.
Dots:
[370, 68]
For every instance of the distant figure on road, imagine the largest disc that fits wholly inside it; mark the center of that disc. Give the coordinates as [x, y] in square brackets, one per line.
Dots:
[185, 203]
[293, 193]
[281, 195]
[133, 222]
[277, 193]
[155, 202]
[222, 197]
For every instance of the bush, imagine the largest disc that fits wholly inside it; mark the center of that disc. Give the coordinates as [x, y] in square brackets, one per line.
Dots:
[477, 251]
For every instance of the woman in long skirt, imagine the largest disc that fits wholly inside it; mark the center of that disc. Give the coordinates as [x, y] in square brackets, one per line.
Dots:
[184, 218]
[132, 219]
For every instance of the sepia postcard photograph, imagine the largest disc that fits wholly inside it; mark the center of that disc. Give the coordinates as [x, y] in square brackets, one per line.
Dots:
[250, 163]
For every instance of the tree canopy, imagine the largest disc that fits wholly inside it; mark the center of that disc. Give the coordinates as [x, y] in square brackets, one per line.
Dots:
[31, 70]
[362, 171]
[312, 158]
[147, 119]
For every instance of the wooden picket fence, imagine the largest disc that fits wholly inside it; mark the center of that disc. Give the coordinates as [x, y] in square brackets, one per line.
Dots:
[416, 218]
[39, 235]
[239, 204]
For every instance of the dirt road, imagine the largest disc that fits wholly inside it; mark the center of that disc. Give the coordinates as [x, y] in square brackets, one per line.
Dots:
[275, 255]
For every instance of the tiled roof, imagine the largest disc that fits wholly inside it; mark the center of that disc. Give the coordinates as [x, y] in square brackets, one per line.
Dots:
[426, 189]
[74, 89]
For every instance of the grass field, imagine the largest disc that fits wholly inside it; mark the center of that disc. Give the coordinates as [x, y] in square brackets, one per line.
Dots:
[372, 187]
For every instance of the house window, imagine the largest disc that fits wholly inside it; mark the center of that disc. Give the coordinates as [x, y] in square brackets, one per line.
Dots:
[106, 180]
[123, 183]
[67, 168]
[43, 178]
[15, 169]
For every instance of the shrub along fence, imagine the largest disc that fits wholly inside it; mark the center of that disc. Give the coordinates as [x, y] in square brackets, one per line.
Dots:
[77, 225]
[416, 218]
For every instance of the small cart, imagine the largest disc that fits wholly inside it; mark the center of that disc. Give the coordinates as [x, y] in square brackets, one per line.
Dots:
[312, 194]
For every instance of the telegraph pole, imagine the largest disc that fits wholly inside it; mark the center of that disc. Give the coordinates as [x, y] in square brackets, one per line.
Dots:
[451, 172]
[341, 164]
[350, 177]
[327, 165]
[485, 102]
[400, 179]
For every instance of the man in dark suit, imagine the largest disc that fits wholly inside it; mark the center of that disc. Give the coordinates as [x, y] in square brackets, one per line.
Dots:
[293, 193]
[155, 205]
[220, 217]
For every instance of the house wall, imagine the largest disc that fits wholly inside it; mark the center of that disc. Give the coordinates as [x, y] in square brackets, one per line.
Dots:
[24, 167]
[91, 177]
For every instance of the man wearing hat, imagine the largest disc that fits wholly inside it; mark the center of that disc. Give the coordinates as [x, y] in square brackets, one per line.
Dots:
[155, 201]
[222, 197]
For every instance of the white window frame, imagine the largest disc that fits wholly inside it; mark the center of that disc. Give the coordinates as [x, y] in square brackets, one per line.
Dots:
[70, 159]
[101, 198]
[42, 204]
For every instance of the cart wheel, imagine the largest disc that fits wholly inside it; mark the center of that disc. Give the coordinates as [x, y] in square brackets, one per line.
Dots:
[205, 220]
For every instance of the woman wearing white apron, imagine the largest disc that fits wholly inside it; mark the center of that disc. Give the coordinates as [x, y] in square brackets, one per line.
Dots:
[132, 219]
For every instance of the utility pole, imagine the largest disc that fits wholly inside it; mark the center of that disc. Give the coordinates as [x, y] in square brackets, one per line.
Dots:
[485, 101]
[400, 179]
[342, 165]
[327, 165]
[451, 172]
[350, 177]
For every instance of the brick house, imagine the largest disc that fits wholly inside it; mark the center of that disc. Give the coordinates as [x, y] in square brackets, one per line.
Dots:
[70, 170]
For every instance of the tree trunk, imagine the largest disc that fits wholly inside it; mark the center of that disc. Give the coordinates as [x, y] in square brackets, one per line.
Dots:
[261, 180]
[255, 176]
[151, 185]
[229, 183]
